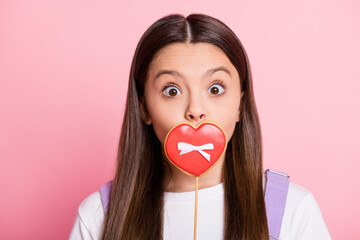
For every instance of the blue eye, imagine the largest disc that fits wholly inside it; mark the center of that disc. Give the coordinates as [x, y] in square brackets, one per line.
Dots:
[171, 91]
[216, 89]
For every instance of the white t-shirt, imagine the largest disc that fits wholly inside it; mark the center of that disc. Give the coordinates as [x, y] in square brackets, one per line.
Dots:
[302, 218]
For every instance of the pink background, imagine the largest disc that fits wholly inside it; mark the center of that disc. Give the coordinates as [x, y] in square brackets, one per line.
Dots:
[64, 67]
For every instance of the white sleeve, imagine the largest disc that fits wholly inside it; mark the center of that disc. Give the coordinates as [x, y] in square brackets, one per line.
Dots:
[79, 230]
[308, 221]
[302, 218]
[89, 220]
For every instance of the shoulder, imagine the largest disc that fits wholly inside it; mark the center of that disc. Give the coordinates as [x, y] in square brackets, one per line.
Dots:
[91, 207]
[298, 195]
[302, 216]
[90, 217]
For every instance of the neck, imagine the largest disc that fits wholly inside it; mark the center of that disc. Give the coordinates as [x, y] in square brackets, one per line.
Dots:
[178, 181]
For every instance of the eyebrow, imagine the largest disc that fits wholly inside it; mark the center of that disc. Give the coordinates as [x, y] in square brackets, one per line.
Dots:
[177, 74]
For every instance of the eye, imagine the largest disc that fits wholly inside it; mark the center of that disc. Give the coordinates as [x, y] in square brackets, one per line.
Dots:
[216, 89]
[171, 91]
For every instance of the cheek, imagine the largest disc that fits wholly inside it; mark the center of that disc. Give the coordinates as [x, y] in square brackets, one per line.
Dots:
[227, 117]
[161, 129]
[163, 119]
[230, 131]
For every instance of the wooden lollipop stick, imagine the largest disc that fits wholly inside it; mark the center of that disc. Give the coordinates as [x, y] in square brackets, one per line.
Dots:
[196, 203]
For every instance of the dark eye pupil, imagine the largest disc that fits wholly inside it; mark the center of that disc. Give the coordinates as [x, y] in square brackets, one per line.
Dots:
[173, 92]
[214, 90]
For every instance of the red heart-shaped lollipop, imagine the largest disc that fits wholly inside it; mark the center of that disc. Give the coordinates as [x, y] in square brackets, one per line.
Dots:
[195, 149]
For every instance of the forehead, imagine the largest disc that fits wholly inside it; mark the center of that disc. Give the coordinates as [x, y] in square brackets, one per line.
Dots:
[192, 57]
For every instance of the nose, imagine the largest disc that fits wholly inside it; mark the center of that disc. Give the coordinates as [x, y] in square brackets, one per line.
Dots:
[195, 112]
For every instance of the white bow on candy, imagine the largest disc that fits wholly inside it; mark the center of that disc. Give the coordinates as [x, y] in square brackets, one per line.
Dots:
[187, 147]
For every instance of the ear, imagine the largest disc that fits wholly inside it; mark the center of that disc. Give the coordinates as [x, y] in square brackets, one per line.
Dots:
[144, 113]
[241, 103]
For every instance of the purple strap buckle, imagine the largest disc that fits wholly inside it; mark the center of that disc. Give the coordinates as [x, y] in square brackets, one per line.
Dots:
[277, 186]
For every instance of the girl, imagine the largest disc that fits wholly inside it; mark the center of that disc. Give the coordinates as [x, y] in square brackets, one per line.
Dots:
[191, 69]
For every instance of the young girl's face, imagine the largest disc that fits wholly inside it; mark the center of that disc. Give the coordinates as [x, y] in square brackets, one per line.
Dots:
[193, 83]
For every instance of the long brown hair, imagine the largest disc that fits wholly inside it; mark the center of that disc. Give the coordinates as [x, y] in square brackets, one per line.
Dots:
[135, 209]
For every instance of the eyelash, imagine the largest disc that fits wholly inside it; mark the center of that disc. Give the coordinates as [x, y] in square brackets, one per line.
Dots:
[168, 86]
[219, 83]
[174, 85]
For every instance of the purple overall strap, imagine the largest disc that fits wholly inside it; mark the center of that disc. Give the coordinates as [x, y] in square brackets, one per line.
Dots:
[105, 191]
[277, 185]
